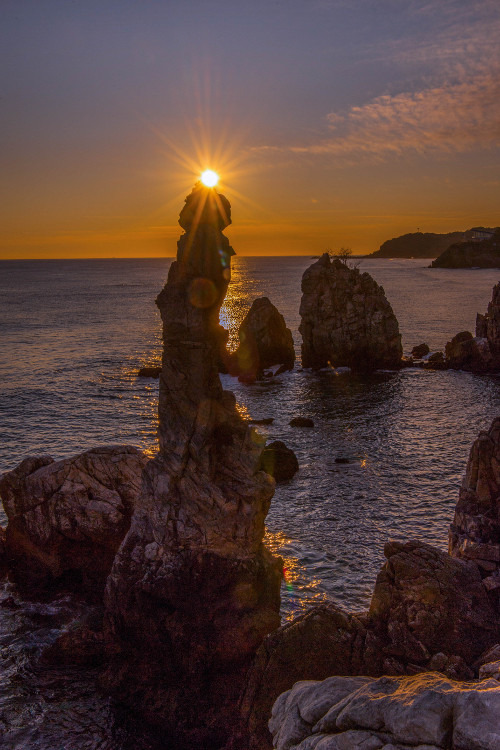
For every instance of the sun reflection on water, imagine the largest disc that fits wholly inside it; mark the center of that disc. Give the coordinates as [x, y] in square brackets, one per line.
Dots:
[299, 590]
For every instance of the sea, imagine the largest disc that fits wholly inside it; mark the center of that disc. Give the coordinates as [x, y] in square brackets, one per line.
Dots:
[383, 461]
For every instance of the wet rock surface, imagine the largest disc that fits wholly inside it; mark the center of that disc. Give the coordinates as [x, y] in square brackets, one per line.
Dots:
[67, 518]
[346, 319]
[265, 341]
[192, 591]
[390, 713]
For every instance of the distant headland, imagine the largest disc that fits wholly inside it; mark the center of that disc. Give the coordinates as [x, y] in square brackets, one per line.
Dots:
[427, 244]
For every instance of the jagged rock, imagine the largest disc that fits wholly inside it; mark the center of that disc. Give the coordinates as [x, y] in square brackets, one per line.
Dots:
[264, 341]
[475, 531]
[193, 592]
[424, 603]
[301, 422]
[481, 353]
[490, 670]
[67, 518]
[427, 611]
[420, 351]
[464, 352]
[279, 461]
[324, 641]
[488, 325]
[149, 372]
[346, 319]
[424, 711]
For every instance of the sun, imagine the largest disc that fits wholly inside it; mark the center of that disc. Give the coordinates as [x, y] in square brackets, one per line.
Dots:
[210, 178]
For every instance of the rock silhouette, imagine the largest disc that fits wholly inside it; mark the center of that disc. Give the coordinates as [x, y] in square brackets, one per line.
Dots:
[346, 319]
[193, 591]
[264, 341]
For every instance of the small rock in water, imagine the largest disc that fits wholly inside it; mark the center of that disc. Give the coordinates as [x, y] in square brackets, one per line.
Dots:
[149, 372]
[420, 351]
[342, 460]
[301, 422]
[279, 461]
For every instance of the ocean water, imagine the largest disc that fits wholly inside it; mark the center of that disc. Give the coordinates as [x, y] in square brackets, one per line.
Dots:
[73, 335]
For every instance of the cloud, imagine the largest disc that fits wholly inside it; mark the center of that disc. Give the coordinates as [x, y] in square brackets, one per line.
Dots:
[449, 102]
[449, 118]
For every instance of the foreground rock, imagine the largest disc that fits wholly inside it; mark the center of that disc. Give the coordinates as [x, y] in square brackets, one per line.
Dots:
[67, 518]
[475, 531]
[265, 341]
[428, 612]
[346, 319]
[391, 713]
[426, 603]
[279, 461]
[193, 592]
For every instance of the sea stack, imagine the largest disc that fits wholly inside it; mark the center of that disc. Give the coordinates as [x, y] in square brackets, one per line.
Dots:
[346, 319]
[193, 591]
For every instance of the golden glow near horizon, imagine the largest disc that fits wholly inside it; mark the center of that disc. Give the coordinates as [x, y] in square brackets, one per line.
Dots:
[210, 178]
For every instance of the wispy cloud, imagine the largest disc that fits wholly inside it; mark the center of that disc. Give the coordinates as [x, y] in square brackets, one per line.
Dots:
[449, 105]
[446, 118]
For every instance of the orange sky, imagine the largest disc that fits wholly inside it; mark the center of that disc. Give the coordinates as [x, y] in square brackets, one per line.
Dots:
[331, 123]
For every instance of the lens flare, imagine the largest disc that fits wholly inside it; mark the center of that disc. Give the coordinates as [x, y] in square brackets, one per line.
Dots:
[210, 178]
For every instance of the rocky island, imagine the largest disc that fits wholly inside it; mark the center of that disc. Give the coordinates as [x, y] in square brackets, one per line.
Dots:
[347, 320]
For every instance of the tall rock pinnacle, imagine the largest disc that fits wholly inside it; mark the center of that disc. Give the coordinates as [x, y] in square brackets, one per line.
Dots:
[193, 591]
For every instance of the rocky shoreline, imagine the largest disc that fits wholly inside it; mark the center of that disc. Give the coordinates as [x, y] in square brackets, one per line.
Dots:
[172, 549]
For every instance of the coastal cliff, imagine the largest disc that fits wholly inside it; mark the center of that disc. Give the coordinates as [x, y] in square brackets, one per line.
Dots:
[469, 254]
[417, 245]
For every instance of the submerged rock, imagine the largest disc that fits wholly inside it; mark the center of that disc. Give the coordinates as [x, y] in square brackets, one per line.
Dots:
[193, 591]
[301, 422]
[264, 341]
[346, 319]
[67, 518]
[424, 711]
[279, 461]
